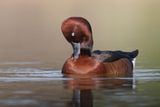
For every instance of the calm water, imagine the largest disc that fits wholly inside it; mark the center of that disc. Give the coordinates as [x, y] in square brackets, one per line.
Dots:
[32, 87]
[33, 50]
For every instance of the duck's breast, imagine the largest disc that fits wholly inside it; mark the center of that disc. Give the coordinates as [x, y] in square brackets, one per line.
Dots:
[83, 65]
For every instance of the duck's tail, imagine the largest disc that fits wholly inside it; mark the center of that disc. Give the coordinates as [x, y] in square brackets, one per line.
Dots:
[134, 53]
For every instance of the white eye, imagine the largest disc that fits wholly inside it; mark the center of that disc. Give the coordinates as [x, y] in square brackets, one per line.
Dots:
[73, 34]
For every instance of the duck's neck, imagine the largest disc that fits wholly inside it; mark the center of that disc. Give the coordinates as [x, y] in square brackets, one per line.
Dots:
[85, 52]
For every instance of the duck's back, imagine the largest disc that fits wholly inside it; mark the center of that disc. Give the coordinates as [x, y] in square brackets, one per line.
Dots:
[117, 63]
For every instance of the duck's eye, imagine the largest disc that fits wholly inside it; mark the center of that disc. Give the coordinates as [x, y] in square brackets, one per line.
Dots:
[73, 34]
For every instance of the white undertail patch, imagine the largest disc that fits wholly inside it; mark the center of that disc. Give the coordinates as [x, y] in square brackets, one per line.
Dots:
[134, 62]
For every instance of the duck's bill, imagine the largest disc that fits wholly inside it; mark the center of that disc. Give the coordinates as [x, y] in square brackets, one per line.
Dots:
[76, 49]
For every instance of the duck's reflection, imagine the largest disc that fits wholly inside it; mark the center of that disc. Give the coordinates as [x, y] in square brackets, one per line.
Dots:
[82, 87]
[82, 98]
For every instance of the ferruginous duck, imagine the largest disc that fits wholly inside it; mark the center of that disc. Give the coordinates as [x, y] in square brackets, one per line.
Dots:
[83, 60]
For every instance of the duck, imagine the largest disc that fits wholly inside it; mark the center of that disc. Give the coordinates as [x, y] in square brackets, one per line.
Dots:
[84, 61]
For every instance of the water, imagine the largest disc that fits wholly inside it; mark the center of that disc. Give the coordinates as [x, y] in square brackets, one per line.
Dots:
[33, 87]
[33, 50]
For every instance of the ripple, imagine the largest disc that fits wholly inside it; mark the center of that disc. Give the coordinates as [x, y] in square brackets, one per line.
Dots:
[147, 74]
[19, 63]
[18, 102]
[29, 74]
[33, 74]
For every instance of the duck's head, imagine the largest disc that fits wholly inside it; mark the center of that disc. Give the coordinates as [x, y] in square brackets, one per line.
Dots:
[78, 32]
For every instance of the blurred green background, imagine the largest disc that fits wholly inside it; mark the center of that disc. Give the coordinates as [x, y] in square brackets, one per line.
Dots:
[30, 29]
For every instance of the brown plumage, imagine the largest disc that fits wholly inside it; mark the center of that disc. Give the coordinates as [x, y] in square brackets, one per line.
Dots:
[78, 33]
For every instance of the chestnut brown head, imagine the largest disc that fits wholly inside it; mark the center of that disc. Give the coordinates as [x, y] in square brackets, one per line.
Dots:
[78, 32]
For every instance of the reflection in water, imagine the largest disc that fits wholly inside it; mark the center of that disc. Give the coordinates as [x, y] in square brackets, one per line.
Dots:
[81, 98]
[83, 86]
[31, 87]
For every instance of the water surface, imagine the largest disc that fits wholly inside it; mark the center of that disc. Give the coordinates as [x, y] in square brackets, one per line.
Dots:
[33, 87]
[33, 50]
